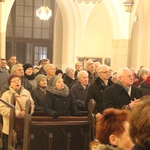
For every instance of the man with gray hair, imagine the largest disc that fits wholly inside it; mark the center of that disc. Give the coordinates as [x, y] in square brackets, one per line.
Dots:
[96, 89]
[50, 70]
[4, 73]
[17, 69]
[89, 66]
[122, 94]
[79, 90]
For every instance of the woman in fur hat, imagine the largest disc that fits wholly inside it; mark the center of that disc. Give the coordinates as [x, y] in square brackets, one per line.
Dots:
[58, 100]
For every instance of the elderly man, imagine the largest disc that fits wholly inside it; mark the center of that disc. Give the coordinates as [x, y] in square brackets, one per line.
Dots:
[79, 90]
[91, 70]
[17, 69]
[12, 61]
[122, 94]
[50, 70]
[96, 89]
[4, 73]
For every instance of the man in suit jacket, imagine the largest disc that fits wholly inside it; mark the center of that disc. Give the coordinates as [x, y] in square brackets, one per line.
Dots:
[122, 94]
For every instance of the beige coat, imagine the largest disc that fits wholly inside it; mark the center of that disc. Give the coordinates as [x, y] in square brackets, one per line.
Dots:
[5, 110]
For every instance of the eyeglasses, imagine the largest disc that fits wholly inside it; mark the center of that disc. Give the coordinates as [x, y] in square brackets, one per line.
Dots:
[105, 72]
[15, 81]
[129, 76]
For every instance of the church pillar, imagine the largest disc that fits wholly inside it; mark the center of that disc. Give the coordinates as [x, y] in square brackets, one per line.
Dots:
[2, 33]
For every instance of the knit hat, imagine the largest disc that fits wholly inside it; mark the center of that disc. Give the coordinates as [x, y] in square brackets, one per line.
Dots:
[58, 71]
[26, 66]
[39, 77]
[11, 77]
[148, 80]
[68, 69]
[52, 80]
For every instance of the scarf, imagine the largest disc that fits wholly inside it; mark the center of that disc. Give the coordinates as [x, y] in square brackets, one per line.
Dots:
[43, 89]
[64, 92]
[127, 89]
[30, 77]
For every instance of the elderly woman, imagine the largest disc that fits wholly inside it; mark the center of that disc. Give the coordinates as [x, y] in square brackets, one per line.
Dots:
[143, 74]
[112, 130]
[39, 93]
[70, 79]
[21, 96]
[58, 100]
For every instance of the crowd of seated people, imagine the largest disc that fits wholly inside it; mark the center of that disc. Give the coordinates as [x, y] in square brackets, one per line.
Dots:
[100, 85]
[61, 94]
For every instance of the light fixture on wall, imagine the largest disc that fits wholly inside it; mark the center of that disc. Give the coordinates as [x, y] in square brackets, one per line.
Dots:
[44, 13]
[87, 1]
[129, 4]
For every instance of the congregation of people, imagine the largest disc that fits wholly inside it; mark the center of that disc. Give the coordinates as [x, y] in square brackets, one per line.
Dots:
[57, 93]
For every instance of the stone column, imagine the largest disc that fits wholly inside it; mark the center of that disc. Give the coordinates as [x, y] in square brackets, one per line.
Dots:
[2, 33]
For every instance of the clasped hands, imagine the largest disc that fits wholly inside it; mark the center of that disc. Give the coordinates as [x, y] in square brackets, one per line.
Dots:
[133, 102]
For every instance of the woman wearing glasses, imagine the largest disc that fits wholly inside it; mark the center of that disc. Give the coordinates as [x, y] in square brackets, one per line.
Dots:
[21, 96]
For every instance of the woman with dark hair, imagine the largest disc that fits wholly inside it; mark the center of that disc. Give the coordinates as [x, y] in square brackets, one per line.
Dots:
[29, 74]
[112, 130]
[140, 124]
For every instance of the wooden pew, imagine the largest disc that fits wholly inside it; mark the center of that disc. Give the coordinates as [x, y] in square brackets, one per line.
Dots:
[65, 133]
[47, 133]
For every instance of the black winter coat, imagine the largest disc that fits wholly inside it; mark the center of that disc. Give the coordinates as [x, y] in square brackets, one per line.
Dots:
[64, 106]
[69, 81]
[116, 96]
[38, 97]
[145, 88]
[137, 147]
[95, 92]
[79, 95]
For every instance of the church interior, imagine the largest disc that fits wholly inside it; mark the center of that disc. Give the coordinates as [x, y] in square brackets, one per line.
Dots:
[113, 32]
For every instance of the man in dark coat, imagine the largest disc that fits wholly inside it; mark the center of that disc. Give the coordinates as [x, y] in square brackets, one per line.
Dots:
[79, 90]
[96, 89]
[89, 66]
[122, 94]
[4, 73]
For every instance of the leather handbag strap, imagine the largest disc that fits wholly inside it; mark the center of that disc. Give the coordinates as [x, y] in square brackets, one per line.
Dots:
[19, 104]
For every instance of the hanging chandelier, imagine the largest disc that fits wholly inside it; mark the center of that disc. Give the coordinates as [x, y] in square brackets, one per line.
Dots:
[44, 13]
[129, 4]
[87, 1]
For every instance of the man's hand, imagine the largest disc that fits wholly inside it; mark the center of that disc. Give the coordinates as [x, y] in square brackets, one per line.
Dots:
[133, 102]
